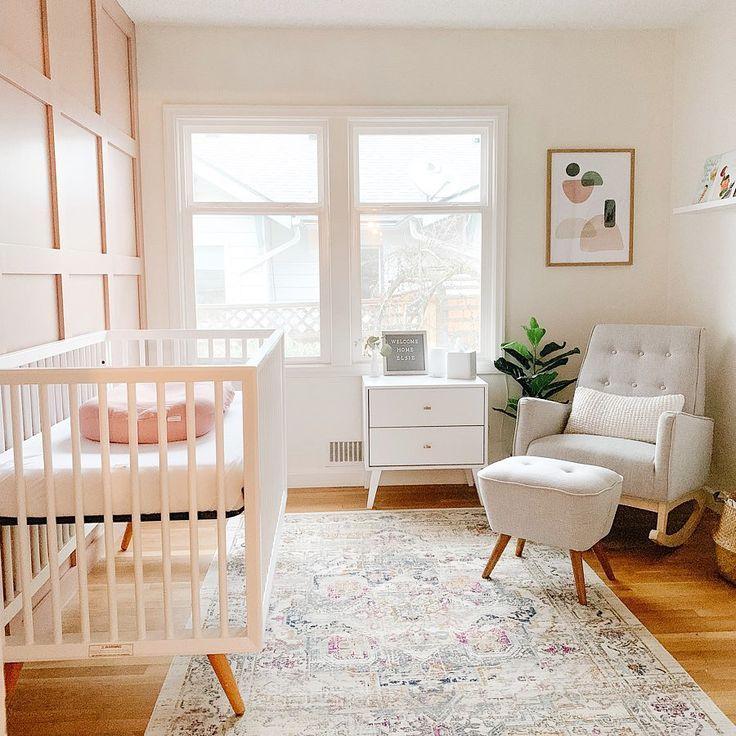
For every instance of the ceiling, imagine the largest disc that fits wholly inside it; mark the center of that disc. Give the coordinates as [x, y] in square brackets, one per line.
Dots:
[587, 14]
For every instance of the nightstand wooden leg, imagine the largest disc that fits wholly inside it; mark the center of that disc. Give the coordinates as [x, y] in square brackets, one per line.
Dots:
[469, 476]
[373, 488]
[520, 546]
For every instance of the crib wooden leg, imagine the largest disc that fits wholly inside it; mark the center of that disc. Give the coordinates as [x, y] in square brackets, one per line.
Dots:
[225, 675]
[127, 536]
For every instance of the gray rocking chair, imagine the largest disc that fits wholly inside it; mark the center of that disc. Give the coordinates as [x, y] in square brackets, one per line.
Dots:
[637, 360]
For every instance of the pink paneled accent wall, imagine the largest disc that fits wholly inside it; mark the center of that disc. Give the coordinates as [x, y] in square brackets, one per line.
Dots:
[70, 233]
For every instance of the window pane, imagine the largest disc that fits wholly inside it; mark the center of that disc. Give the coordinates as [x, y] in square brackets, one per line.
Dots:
[259, 271]
[422, 272]
[420, 168]
[255, 167]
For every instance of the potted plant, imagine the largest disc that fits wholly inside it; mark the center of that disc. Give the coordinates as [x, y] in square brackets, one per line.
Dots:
[532, 366]
[376, 347]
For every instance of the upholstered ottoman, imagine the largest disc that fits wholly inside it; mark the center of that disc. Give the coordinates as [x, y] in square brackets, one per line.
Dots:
[553, 502]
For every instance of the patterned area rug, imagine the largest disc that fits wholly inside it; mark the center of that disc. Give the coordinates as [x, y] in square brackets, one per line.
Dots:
[381, 624]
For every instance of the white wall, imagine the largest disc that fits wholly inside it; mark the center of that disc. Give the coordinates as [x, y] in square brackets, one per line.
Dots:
[702, 271]
[563, 89]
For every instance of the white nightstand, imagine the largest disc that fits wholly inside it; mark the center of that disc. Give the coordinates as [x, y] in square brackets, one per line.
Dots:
[424, 423]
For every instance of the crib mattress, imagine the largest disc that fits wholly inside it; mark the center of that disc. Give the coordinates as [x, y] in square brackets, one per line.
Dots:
[36, 508]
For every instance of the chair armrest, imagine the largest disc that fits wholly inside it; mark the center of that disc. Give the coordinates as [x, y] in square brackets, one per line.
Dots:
[682, 454]
[537, 418]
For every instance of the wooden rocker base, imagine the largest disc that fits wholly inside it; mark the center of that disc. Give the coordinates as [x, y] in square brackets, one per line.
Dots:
[663, 509]
[227, 680]
[576, 558]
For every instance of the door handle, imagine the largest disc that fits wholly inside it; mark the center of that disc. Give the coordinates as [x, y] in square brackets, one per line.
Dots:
[427, 408]
[427, 447]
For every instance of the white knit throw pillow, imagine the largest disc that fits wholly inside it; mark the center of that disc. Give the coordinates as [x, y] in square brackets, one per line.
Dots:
[628, 417]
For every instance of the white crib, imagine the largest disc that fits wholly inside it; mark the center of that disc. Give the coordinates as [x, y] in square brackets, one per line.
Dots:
[89, 489]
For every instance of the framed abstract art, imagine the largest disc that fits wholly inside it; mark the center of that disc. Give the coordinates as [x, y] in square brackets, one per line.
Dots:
[590, 206]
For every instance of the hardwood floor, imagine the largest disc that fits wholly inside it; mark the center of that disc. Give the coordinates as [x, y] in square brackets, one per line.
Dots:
[676, 594]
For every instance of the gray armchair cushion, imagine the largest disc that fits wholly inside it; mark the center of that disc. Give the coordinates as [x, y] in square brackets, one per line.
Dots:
[647, 360]
[632, 459]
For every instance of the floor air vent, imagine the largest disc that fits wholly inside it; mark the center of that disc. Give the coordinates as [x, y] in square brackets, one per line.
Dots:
[344, 451]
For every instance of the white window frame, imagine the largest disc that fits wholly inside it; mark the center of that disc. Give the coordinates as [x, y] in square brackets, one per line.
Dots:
[339, 261]
[484, 206]
[187, 208]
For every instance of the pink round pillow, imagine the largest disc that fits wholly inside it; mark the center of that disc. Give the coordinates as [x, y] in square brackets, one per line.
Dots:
[176, 410]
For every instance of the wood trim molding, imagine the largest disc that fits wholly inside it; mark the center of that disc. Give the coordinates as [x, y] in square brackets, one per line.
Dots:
[15, 259]
[35, 84]
[45, 87]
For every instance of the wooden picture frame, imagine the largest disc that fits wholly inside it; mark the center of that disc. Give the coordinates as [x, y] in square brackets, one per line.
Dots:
[413, 353]
[602, 232]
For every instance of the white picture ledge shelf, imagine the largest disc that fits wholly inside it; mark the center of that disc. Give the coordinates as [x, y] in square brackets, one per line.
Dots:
[730, 202]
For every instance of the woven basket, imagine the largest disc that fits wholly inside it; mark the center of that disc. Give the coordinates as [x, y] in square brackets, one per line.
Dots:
[725, 539]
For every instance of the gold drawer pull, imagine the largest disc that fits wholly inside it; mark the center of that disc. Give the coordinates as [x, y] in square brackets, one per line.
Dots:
[427, 408]
[427, 447]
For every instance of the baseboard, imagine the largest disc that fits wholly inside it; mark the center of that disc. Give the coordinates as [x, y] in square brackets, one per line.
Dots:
[327, 477]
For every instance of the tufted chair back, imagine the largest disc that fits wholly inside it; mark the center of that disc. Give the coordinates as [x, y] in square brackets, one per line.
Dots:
[647, 360]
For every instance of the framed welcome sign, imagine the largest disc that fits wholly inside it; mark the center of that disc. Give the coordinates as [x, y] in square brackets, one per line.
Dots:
[590, 206]
[406, 353]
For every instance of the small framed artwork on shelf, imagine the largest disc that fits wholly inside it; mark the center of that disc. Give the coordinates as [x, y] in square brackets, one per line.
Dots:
[405, 353]
[590, 206]
[718, 182]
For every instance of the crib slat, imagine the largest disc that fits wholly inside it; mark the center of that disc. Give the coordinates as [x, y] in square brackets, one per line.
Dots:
[35, 414]
[8, 576]
[23, 530]
[43, 556]
[35, 550]
[64, 362]
[193, 510]
[135, 488]
[141, 353]
[5, 428]
[221, 518]
[81, 546]
[112, 600]
[163, 474]
[27, 418]
[251, 484]
[159, 352]
[52, 532]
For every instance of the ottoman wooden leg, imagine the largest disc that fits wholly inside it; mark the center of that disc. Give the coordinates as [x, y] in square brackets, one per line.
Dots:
[600, 553]
[503, 540]
[577, 570]
[520, 546]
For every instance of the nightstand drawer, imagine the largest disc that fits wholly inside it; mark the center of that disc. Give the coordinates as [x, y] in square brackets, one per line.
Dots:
[426, 407]
[427, 446]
